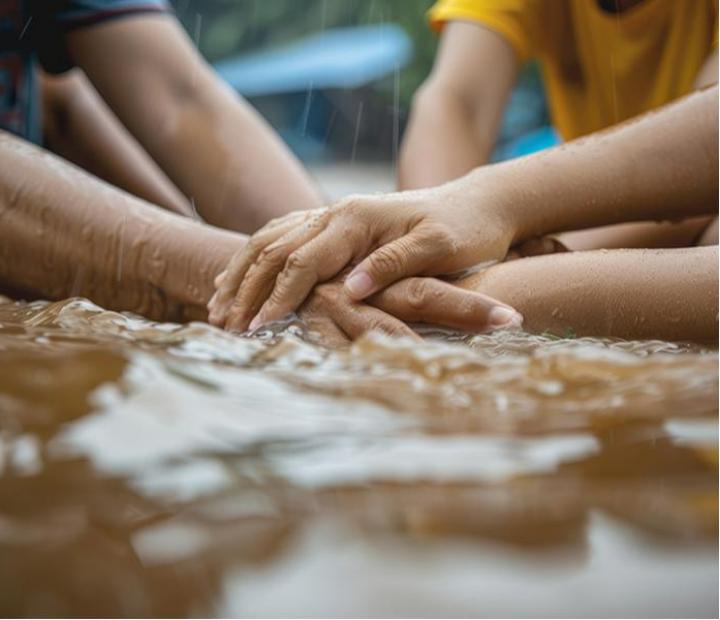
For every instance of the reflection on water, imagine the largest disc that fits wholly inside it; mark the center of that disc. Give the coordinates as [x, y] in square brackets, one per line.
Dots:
[165, 470]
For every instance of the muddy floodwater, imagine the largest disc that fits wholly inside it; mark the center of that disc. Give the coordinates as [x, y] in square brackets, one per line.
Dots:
[164, 470]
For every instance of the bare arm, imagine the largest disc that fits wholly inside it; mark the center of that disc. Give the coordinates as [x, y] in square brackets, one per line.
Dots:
[211, 143]
[662, 165]
[79, 127]
[648, 234]
[65, 233]
[666, 294]
[456, 113]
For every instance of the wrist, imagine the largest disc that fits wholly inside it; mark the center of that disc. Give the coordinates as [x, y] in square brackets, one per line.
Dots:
[495, 200]
[197, 253]
[534, 196]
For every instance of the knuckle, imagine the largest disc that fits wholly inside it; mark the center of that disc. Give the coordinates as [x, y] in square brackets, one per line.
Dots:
[390, 258]
[275, 298]
[387, 328]
[279, 297]
[272, 255]
[317, 220]
[352, 218]
[418, 293]
[440, 237]
[297, 261]
[254, 246]
[374, 325]
[351, 205]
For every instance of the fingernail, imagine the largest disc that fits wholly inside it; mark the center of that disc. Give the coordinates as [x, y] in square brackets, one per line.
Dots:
[359, 285]
[212, 301]
[255, 323]
[504, 317]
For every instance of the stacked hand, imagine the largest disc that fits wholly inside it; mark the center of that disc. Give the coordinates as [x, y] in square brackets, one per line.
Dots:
[388, 239]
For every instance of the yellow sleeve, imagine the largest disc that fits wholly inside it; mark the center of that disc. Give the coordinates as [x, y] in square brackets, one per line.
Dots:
[511, 19]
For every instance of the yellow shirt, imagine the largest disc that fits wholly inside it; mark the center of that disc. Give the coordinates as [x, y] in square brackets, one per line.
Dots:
[599, 68]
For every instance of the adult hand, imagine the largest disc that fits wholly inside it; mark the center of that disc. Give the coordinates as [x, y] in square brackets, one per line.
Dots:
[339, 319]
[434, 231]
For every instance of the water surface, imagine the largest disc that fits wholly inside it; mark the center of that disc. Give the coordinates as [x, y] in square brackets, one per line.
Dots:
[164, 470]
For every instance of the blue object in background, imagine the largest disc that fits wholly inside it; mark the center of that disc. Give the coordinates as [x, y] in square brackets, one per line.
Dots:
[336, 58]
[537, 140]
[295, 78]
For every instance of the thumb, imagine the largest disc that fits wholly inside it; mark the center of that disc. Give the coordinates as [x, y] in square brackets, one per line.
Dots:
[413, 254]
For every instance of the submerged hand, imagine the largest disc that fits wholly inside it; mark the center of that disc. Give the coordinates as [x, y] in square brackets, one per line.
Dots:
[338, 318]
[430, 232]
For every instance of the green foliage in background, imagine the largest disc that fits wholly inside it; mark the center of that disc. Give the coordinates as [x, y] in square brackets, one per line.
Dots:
[223, 28]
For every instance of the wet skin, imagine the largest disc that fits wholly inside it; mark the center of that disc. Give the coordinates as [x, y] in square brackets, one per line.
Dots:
[662, 165]
[88, 238]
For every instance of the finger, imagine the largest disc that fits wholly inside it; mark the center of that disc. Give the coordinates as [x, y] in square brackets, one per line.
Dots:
[243, 260]
[318, 312]
[428, 300]
[259, 280]
[235, 272]
[420, 251]
[358, 319]
[216, 282]
[219, 278]
[317, 261]
[325, 330]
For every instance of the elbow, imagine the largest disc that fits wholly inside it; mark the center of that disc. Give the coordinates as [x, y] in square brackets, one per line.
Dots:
[428, 97]
[442, 99]
[195, 88]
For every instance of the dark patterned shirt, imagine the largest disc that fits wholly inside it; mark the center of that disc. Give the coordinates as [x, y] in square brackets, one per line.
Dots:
[33, 31]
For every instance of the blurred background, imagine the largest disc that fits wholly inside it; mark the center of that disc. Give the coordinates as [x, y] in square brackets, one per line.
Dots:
[336, 78]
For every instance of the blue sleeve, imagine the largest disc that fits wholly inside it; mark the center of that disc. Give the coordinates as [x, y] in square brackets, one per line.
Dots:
[52, 19]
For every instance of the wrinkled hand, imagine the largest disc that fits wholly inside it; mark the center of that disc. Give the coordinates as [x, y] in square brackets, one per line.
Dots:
[436, 231]
[339, 319]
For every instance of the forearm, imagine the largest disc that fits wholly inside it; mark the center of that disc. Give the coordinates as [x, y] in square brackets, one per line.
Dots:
[65, 233]
[663, 165]
[666, 294]
[211, 143]
[444, 141]
[668, 234]
[457, 112]
[240, 175]
[80, 127]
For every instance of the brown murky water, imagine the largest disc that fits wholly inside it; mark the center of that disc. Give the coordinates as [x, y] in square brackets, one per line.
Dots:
[165, 470]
